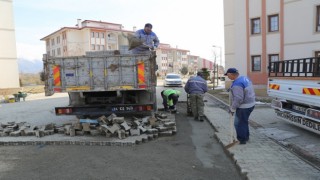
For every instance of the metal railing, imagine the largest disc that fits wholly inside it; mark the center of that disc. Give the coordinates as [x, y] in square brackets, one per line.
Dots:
[305, 67]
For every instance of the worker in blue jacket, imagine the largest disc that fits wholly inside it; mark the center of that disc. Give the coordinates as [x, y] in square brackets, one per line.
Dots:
[242, 102]
[148, 39]
[197, 87]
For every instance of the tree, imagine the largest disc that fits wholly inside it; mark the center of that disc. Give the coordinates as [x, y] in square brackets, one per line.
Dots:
[206, 73]
[184, 70]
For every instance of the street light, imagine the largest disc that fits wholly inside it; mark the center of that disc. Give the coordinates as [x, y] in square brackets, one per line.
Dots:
[220, 62]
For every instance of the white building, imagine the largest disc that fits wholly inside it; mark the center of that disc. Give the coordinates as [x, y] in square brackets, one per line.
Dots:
[88, 35]
[259, 31]
[9, 73]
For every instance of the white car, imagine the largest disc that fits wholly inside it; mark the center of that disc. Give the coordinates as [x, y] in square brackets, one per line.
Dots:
[172, 80]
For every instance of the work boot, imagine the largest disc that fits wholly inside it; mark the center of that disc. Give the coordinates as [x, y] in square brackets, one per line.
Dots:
[201, 118]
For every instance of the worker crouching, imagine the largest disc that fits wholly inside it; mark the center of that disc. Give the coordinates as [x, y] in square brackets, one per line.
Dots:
[170, 98]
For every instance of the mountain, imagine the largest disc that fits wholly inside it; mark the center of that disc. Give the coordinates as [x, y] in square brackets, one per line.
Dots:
[27, 66]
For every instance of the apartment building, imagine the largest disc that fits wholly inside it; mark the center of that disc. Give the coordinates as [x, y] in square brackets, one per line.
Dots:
[260, 31]
[9, 73]
[193, 63]
[171, 60]
[88, 35]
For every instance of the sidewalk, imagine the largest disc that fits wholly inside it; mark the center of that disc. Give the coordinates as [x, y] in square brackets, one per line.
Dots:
[260, 158]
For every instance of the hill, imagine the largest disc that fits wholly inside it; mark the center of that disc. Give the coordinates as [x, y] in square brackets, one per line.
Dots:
[28, 66]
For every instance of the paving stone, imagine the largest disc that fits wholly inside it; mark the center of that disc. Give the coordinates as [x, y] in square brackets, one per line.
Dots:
[136, 123]
[165, 133]
[77, 126]
[152, 121]
[72, 131]
[15, 133]
[39, 133]
[86, 127]
[134, 132]
[67, 129]
[125, 126]
[121, 134]
[169, 124]
[152, 131]
[79, 133]
[162, 129]
[103, 119]
[118, 120]
[110, 118]
[142, 129]
[113, 128]
[94, 132]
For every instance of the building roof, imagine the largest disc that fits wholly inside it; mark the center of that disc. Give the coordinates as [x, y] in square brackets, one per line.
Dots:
[91, 27]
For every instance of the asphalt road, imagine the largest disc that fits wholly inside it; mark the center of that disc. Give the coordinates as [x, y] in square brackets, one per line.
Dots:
[193, 153]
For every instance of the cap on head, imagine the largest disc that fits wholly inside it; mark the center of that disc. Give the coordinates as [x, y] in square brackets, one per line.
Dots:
[199, 73]
[148, 25]
[231, 70]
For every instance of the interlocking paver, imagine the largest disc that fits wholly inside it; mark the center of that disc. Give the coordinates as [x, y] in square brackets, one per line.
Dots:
[261, 157]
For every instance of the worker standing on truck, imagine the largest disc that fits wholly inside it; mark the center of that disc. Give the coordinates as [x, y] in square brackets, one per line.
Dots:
[242, 102]
[197, 87]
[149, 40]
[170, 98]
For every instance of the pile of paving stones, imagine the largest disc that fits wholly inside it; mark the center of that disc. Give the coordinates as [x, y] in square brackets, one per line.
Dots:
[111, 126]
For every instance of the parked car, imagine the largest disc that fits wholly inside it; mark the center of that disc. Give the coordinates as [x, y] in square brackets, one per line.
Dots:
[172, 80]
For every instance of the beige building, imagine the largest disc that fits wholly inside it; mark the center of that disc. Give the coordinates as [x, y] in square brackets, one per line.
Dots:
[88, 35]
[259, 31]
[170, 59]
[9, 73]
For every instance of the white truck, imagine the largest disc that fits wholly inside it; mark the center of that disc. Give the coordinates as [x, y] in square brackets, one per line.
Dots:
[105, 82]
[295, 85]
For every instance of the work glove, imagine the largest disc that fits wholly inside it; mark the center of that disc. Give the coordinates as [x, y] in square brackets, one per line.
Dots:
[231, 111]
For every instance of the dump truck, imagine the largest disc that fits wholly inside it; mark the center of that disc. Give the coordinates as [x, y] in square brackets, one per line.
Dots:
[103, 82]
[295, 86]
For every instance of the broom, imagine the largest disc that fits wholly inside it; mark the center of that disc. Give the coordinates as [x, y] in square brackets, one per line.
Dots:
[233, 140]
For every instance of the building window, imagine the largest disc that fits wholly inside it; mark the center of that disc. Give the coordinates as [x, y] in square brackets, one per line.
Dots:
[53, 53]
[52, 42]
[317, 54]
[97, 35]
[273, 58]
[256, 63]
[58, 51]
[92, 46]
[58, 40]
[102, 35]
[92, 34]
[318, 19]
[48, 42]
[255, 26]
[64, 36]
[102, 47]
[273, 23]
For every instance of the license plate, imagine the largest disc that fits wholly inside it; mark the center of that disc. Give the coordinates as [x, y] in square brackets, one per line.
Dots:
[299, 108]
[122, 108]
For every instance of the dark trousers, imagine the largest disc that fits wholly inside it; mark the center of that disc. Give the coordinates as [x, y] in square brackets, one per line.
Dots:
[173, 97]
[241, 123]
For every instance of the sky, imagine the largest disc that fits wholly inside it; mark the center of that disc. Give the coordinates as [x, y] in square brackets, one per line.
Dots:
[192, 25]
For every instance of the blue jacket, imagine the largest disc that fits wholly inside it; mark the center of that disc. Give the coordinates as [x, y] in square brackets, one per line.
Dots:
[242, 93]
[150, 40]
[196, 85]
